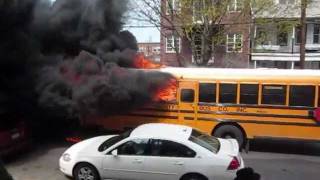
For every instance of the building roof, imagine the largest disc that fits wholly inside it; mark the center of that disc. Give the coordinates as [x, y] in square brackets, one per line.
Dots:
[265, 75]
[291, 10]
[160, 130]
[151, 43]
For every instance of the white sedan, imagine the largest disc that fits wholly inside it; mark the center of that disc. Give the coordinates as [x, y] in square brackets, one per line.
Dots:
[153, 152]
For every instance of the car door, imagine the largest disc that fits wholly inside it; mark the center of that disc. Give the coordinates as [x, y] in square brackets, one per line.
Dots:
[167, 160]
[128, 163]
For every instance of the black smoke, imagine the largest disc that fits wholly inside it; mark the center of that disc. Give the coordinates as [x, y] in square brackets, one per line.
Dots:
[60, 60]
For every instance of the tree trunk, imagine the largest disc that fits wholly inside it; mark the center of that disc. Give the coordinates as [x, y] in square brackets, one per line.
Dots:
[303, 33]
[205, 50]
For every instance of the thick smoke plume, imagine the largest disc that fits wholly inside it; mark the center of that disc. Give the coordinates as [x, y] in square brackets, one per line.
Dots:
[70, 57]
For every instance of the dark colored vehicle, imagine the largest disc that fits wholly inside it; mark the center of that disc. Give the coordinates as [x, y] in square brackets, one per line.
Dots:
[14, 135]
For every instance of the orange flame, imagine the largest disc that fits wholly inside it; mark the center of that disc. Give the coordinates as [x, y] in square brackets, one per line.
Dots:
[168, 93]
[143, 63]
[169, 90]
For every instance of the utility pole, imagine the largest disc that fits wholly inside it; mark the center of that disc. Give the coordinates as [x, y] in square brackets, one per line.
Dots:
[303, 33]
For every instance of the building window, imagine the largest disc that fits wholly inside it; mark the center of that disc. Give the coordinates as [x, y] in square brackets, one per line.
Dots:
[282, 35]
[235, 5]
[284, 2]
[234, 43]
[262, 37]
[172, 6]
[316, 34]
[282, 38]
[298, 34]
[172, 44]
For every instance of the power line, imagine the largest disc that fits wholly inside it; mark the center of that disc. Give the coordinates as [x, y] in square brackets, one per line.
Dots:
[143, 26]
[224, 24]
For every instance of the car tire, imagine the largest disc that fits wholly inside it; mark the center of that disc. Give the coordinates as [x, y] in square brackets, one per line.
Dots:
[230, 131]
[193, 177]
[85, 171]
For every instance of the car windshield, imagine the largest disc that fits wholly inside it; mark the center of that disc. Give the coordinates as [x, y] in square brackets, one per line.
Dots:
[206, 141]
[113, 140]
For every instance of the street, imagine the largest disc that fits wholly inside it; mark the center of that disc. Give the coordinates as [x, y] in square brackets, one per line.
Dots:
[42, 162]
[232, 69]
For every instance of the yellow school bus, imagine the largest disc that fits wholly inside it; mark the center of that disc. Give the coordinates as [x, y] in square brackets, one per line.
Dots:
[236, 103]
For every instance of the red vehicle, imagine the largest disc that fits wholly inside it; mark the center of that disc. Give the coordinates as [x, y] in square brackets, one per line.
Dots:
[14, 135]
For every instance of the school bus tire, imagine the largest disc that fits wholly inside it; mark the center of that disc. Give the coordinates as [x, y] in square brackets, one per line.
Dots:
[230, 131]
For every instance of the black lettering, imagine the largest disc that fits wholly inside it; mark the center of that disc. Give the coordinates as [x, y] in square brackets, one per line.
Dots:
[241, 109]
[204, 108]
[224, 109]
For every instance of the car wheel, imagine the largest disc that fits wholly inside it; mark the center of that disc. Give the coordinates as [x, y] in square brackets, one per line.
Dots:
[85, 171]
[230, 131]
[193, 177]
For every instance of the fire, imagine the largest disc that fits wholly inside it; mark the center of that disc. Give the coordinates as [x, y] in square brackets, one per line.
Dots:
[143, 63]
[168, 93]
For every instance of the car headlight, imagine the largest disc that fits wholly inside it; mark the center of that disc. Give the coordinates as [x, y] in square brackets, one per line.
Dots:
[66, 157]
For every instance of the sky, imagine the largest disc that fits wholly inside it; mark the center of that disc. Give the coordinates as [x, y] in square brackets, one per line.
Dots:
[145, 34]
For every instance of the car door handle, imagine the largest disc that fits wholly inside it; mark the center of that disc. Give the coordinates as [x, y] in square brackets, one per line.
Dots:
[179, 163]
[138, 161]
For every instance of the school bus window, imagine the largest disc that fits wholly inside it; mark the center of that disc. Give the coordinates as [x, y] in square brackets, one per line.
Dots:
[187, 95]
[274, 94]
[228, 93]
[249, 93]
[207, 92]
[302, 96]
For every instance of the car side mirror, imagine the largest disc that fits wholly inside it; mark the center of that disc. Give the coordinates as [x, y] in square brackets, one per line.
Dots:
[115, 152]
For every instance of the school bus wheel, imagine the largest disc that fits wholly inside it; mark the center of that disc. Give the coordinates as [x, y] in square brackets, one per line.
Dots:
[230, 131]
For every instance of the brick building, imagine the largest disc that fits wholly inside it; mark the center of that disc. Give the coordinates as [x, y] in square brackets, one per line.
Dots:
[234, 53]
[243, 46]
[151, 50]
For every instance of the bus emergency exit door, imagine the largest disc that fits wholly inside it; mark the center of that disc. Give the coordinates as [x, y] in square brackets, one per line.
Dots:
[188, 102]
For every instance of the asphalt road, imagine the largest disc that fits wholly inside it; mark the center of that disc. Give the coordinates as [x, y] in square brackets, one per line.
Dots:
[282, 161]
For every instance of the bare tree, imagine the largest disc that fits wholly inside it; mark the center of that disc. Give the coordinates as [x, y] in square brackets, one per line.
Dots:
[201, 22]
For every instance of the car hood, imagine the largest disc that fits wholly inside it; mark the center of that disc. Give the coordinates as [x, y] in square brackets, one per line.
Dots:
[89, 146]
[229, 147]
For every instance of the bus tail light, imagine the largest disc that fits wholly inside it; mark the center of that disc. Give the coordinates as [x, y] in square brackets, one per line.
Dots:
[234, 164]
[316, 114]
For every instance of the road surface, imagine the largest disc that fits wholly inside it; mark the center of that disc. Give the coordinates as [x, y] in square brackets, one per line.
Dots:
[282, 161]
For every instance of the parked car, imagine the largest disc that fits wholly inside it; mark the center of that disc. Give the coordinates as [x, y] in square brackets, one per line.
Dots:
[153, 151]
[14, 135]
